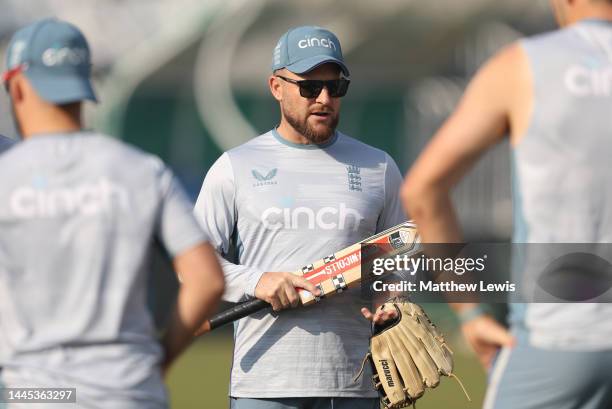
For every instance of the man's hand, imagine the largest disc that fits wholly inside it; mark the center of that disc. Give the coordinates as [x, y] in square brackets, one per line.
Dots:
[486, 336]
[380, 316]
[281, 289]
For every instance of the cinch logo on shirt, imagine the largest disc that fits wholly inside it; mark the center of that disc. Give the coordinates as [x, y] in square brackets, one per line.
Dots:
[326, 218]
[584, 81]
[87, 199]
[317, 42]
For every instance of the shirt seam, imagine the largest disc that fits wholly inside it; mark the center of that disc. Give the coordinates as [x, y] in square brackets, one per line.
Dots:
[235, 191]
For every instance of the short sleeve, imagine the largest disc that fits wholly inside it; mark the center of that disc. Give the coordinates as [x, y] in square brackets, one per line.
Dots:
[178, 229]
[393, 213]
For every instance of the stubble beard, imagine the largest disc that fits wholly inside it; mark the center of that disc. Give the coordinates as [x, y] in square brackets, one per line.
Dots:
[308, 132]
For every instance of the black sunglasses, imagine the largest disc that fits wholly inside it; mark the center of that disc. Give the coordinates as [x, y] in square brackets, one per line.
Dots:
[312, 88]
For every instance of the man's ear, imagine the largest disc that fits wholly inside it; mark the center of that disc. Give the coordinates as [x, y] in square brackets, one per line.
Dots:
[275, 87]
[17, 89]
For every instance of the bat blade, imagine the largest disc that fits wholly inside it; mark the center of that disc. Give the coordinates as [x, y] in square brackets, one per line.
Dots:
[334, 273]
[342, 270]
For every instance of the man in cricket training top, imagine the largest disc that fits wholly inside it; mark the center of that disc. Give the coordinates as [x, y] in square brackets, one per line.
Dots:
[78, 214]
[281, 201]
[553, 94]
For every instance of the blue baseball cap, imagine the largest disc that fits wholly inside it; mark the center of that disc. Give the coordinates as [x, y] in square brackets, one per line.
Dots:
[55, 57]
[303, 49]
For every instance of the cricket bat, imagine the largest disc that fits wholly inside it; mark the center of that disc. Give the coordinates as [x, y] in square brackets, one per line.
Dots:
[333, 274]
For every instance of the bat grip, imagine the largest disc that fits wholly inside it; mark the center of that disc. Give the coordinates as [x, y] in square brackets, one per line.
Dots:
[232, 314]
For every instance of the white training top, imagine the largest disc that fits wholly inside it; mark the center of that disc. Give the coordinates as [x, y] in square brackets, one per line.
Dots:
[562, 172]
[78, 215]
[270, 205]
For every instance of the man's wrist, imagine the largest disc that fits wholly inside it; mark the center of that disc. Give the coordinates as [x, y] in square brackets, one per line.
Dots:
[472, 312]
[252, 282]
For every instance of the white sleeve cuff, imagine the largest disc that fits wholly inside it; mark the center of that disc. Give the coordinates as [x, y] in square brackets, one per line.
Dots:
[252, 282]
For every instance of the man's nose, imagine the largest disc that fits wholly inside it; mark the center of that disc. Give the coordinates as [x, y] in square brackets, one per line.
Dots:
[324, 97]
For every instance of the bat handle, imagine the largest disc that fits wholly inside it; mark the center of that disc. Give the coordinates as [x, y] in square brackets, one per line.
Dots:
[235, 313]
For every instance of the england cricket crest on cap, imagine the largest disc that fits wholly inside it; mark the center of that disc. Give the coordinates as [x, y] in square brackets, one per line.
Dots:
[15, 53]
